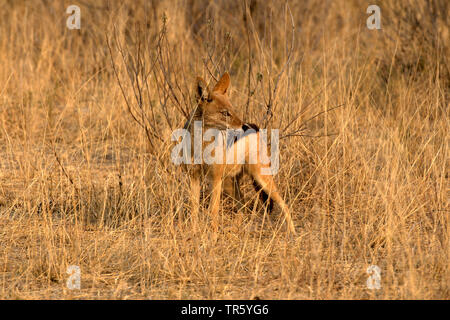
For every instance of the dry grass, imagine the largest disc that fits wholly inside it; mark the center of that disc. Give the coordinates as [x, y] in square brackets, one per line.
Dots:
[82, 185]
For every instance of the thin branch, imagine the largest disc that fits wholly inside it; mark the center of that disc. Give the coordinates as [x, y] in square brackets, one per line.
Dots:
[302, 126]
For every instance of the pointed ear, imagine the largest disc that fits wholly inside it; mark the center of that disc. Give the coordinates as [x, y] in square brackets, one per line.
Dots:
[201, 89]
[223, 84]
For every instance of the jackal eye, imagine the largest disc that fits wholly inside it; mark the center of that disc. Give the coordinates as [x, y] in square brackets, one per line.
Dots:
[225, 113]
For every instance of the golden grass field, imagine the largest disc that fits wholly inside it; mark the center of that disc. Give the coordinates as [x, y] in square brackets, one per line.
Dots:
[364, 164]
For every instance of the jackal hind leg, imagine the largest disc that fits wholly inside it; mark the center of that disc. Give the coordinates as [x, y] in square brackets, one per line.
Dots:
[267, 184]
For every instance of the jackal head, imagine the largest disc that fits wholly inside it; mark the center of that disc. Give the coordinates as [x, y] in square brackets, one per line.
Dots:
[214, 107]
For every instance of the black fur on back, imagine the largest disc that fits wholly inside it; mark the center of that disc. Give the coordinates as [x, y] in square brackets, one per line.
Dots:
[248, 126]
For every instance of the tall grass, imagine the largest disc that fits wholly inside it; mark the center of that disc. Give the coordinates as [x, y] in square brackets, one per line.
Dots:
[82, 183]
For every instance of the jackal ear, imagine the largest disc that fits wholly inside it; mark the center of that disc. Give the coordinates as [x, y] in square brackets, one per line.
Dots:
[223, 84]
[201, 89]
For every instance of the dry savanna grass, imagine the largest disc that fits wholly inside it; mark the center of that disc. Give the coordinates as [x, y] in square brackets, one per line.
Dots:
[86, 177]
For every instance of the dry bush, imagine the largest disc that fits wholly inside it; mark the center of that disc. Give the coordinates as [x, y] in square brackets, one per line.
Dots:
[86, 177]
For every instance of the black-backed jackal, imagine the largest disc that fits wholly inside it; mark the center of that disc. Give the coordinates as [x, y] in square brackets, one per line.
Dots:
[215, 112]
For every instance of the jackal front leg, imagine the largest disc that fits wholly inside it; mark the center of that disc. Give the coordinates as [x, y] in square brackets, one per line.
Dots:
[214, 203]
[195, 192]
[231, 186]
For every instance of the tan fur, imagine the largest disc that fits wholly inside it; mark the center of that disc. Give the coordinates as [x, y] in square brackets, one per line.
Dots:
[215, 111]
